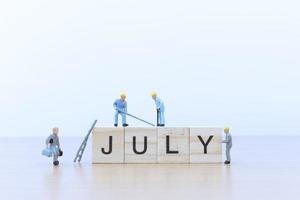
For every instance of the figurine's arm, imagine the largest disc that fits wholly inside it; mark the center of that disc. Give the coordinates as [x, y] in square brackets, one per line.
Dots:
[58, 144]
[229, 138]
[158, 103]
[115, 105]
[49, 140]
[226, 140]
[125, 107]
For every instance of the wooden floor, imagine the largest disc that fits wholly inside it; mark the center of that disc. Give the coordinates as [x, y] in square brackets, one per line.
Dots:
[263, 168]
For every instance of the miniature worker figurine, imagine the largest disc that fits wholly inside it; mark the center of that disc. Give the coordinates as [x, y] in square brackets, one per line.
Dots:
[160, 107]
[120, 105]
[53, 143]
[228, 142]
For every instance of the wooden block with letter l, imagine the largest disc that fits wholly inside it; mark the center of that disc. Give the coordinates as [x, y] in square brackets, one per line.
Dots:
[140, 145]
[205, 145]
[173, 145]
[108, 145]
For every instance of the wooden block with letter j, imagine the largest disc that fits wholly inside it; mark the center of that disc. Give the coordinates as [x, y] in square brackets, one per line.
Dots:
[108, 145]
[173, 145]
[140, 145]
[205, 145]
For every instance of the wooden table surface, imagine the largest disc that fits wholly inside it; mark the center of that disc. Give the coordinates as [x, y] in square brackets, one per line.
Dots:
[262, 168]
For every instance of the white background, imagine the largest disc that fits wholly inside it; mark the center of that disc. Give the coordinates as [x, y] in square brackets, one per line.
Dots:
[215, 63]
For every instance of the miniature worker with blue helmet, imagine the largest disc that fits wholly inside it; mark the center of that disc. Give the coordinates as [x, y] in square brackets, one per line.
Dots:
[53, 143]
[160, 107]
[228, 142]
[120, 105]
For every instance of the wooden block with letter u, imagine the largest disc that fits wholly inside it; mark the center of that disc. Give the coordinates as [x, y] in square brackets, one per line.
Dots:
[140, 145]
[108, 145]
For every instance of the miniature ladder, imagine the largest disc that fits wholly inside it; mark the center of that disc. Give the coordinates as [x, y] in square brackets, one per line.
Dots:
[83, 144]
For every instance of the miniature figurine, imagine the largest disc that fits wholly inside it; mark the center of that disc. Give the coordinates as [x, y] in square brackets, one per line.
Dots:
[228, 142]
[53, 146]
[120, 105]
[160, 107]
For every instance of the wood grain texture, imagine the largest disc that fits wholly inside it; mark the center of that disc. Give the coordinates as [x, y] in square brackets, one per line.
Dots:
[262, 168]
[101, 140]
[214, 147]
[150, 155]
[179, 141]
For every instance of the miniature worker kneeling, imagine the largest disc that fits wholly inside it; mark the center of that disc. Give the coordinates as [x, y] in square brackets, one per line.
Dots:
[228, 142]
[52, 142]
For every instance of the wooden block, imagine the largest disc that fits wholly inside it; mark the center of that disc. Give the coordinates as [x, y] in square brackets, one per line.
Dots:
[205, 145]
[140, 145]
[173, 145]
[108, 145]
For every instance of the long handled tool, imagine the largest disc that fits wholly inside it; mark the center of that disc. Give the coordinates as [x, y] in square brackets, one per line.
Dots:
[136, 117]
[157, 117]
[83, 144]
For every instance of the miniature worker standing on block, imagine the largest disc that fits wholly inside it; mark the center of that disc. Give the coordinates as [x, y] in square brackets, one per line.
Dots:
[120, 105]
[52, 142]
[160, 107]
[228, 142]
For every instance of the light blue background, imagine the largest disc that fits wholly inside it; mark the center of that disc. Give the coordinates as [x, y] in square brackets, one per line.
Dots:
[215, 63]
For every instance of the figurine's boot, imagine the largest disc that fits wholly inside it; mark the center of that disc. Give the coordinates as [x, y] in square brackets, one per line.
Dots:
[56, 163]
[60, 152]
[55, 157]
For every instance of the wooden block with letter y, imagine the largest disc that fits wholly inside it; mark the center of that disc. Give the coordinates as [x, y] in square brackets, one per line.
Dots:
[205, 145]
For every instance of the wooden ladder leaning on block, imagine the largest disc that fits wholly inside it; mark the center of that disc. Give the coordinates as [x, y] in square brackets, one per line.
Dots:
[83, 144]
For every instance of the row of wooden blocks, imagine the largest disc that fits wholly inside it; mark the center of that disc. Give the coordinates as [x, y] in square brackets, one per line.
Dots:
[157, 145]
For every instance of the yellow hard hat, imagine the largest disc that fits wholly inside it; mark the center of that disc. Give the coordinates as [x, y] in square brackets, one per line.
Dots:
[226, 129]
[153, 94]
[123, 94]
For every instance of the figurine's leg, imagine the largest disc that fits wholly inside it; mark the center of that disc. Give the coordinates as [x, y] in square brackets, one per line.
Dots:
[228, 154]
[116, 118]
[162, 118]
[124, 120]
[55, 157]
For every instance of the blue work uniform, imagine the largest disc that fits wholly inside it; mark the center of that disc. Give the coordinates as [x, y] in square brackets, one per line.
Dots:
[228, 142]
[161, 110]
[121, 108]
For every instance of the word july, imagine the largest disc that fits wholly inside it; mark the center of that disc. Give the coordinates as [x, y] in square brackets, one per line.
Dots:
[157, 145]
